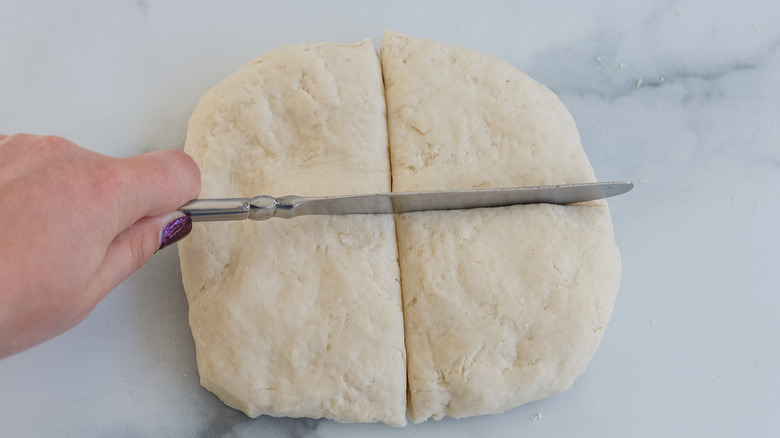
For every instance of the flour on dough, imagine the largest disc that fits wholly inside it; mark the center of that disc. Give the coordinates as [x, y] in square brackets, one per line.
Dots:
[502, 306]
[303, 317]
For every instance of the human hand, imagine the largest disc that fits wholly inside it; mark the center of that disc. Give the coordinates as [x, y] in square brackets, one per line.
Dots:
[74, 224]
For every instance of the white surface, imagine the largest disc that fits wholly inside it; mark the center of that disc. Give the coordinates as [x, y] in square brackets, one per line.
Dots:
[681, 97]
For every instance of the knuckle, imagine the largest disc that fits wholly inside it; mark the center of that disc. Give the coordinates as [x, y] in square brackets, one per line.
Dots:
[191, 171]
[184, 161]
[53, 143]
[54, 140]
[178, 170]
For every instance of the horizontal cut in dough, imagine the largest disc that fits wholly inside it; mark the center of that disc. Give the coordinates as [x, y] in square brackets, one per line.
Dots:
[502, 306]
[303, 317]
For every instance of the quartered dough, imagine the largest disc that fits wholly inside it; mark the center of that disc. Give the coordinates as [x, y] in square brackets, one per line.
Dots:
[304, 317]
[502, 306]
[298, 318]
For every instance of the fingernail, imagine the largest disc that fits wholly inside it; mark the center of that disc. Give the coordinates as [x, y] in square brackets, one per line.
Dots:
[176, 230]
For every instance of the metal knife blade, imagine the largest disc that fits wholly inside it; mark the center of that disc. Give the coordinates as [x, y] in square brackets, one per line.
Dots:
[266, 207]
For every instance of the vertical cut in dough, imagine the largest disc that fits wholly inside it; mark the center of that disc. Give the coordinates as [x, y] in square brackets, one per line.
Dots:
[502, 306]
[303, 317]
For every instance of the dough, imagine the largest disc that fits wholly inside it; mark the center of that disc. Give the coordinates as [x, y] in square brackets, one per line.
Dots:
[502, 306]
[303, 317]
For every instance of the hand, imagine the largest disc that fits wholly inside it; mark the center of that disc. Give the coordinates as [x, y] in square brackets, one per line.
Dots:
[74, 224]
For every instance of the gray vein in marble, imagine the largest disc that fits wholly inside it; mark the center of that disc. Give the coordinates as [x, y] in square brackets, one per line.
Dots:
[615, 76]
[143, 6]
[224, 422]
[303, 428]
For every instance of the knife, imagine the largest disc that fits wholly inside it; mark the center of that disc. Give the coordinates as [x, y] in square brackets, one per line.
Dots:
[265, 207]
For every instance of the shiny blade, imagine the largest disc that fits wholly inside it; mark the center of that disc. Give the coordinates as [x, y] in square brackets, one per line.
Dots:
[266, 207]
[405, 202]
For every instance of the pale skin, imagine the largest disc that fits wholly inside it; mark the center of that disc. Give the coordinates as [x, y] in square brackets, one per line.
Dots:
[73, 225]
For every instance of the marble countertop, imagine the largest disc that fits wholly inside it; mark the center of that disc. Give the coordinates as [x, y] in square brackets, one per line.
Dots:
[681, 97]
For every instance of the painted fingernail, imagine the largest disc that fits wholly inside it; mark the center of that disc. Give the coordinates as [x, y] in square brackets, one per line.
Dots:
[176, 230]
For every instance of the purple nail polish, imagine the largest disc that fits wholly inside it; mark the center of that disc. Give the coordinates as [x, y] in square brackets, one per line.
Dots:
[176, 230]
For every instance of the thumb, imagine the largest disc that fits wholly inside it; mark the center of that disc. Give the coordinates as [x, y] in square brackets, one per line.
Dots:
[131, 248]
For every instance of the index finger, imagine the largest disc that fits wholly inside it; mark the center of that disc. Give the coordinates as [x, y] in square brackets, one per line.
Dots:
[153, 184]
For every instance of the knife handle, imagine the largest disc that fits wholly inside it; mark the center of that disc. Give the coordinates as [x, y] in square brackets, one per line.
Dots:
[258, 208]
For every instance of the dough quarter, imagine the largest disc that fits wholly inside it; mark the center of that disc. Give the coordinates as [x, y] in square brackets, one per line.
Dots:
[298, 318]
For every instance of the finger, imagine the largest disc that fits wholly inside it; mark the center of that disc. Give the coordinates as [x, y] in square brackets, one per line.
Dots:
[153, 184]
[134, 246]
[3, 137]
